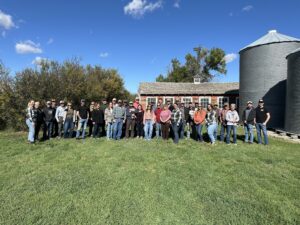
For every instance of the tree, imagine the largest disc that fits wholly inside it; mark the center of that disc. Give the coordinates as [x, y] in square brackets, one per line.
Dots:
[206, 63]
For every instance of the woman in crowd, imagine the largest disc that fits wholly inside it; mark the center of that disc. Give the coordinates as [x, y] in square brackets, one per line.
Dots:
[97, 116]
[30, 121]
[108, 117]
[149, 120]
[199, 119]
[69, 120]
[211, 123]
[165, 117]
[139, 121]
[176, 121]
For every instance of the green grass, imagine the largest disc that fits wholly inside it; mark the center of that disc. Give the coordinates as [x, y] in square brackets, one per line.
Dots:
[139, 182]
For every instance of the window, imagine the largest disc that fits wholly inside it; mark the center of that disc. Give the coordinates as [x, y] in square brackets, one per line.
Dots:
[222, 100]
[166, 99]
[204, 101]
[151, 100]
[197, 80]
[186, 100]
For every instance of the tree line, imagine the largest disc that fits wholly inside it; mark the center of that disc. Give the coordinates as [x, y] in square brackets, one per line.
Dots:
[69, 81]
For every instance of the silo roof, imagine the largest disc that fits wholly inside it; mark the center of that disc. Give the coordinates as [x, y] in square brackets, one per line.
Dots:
[271, 37]
[295, 51]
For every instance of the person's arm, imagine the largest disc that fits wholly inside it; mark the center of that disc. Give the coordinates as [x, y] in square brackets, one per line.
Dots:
[64, 116]
[180, 118]
[144, 118]
[237, 119]
[228, 117]
[268, 118]
[78, 115]
[56, 113]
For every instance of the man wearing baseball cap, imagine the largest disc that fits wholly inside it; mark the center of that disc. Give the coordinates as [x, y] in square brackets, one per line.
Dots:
[136, 102]
[83, 116]
[248, 118]
[59, 116]
[262, 117]
[49, 117]
[119, 117]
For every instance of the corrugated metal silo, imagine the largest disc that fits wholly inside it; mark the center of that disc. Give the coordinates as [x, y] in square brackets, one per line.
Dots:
[292, 113]
[263, 73]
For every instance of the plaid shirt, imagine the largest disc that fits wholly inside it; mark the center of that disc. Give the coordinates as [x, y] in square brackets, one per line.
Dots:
[176, 116]
[118, 112]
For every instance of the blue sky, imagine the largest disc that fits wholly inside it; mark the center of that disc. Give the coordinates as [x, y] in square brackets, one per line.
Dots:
[137, 37]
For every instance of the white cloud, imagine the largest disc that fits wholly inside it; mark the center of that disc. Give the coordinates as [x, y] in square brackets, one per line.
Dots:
[39, 60]
[247, 8]
[230, 57]
[177, 4]
[50, 41]
[137, 8]
[26, 47]
[6, 21]
[104, 54]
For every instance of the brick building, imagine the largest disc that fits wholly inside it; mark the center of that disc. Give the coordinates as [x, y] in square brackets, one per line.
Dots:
[203, 93]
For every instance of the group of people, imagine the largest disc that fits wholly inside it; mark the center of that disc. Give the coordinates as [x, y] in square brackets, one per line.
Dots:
[120, 118]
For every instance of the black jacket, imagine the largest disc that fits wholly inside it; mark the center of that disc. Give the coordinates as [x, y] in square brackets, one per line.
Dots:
[251, 117]
[98, 116]
[49, 114]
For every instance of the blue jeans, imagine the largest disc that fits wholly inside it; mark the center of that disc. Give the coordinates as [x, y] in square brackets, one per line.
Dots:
[212, 130]
[182, 130]
[248, 132]
[176, 130]
[158, 130]
[148, 128]
[117, 126]
[48, 130]
[222, 132]
[199, 132]
[260, 127]
[31, 130]
[109, 130]
[229, 128]
[81, 124]
[68, 128]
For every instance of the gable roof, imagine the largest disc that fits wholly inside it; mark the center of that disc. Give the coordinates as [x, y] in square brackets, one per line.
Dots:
[172, 88]
[271, 37]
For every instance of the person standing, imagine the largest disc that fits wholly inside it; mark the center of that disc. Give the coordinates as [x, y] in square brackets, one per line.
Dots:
[59, 117]
[136, 102]
[83, 116]
[108, 118]
[30, 121]
[119, 117]
[39, 120]
[90, 122]
[232, 118]
[139, 122]
[157, 119]
[191, 111]
[49, 117]
[97, 116]
[223, 122]
[149, 120]
[199, 119]
[54, 123]
[114, 102]
[69, 120]
[103, 107]
[211, 123]
[130, 120]
[165, 120]
[248, 118]
[262, 117]
[176, 122]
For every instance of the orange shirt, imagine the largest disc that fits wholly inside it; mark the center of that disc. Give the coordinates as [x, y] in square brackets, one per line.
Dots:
[199, 116]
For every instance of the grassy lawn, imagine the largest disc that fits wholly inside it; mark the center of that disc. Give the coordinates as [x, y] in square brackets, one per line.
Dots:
[139, 182]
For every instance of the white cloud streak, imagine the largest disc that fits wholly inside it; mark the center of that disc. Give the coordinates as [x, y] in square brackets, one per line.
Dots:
[137, 8]
[247, 8]
[230, 57]
[176, 4]
[104, 54]
[39, 60]
[6, 21]
[28, 47]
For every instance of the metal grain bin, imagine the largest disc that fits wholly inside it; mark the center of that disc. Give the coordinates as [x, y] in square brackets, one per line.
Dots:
[263, 73]
[292, 112]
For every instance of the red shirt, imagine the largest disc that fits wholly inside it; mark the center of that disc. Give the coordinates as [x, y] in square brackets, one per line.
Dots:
[157, 114]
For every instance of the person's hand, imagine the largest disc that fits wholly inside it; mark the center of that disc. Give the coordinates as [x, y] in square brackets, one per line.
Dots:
[93, 122]
[264, 123]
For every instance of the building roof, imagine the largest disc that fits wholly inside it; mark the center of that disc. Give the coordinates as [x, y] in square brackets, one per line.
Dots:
[172, 88]
[271, 37]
